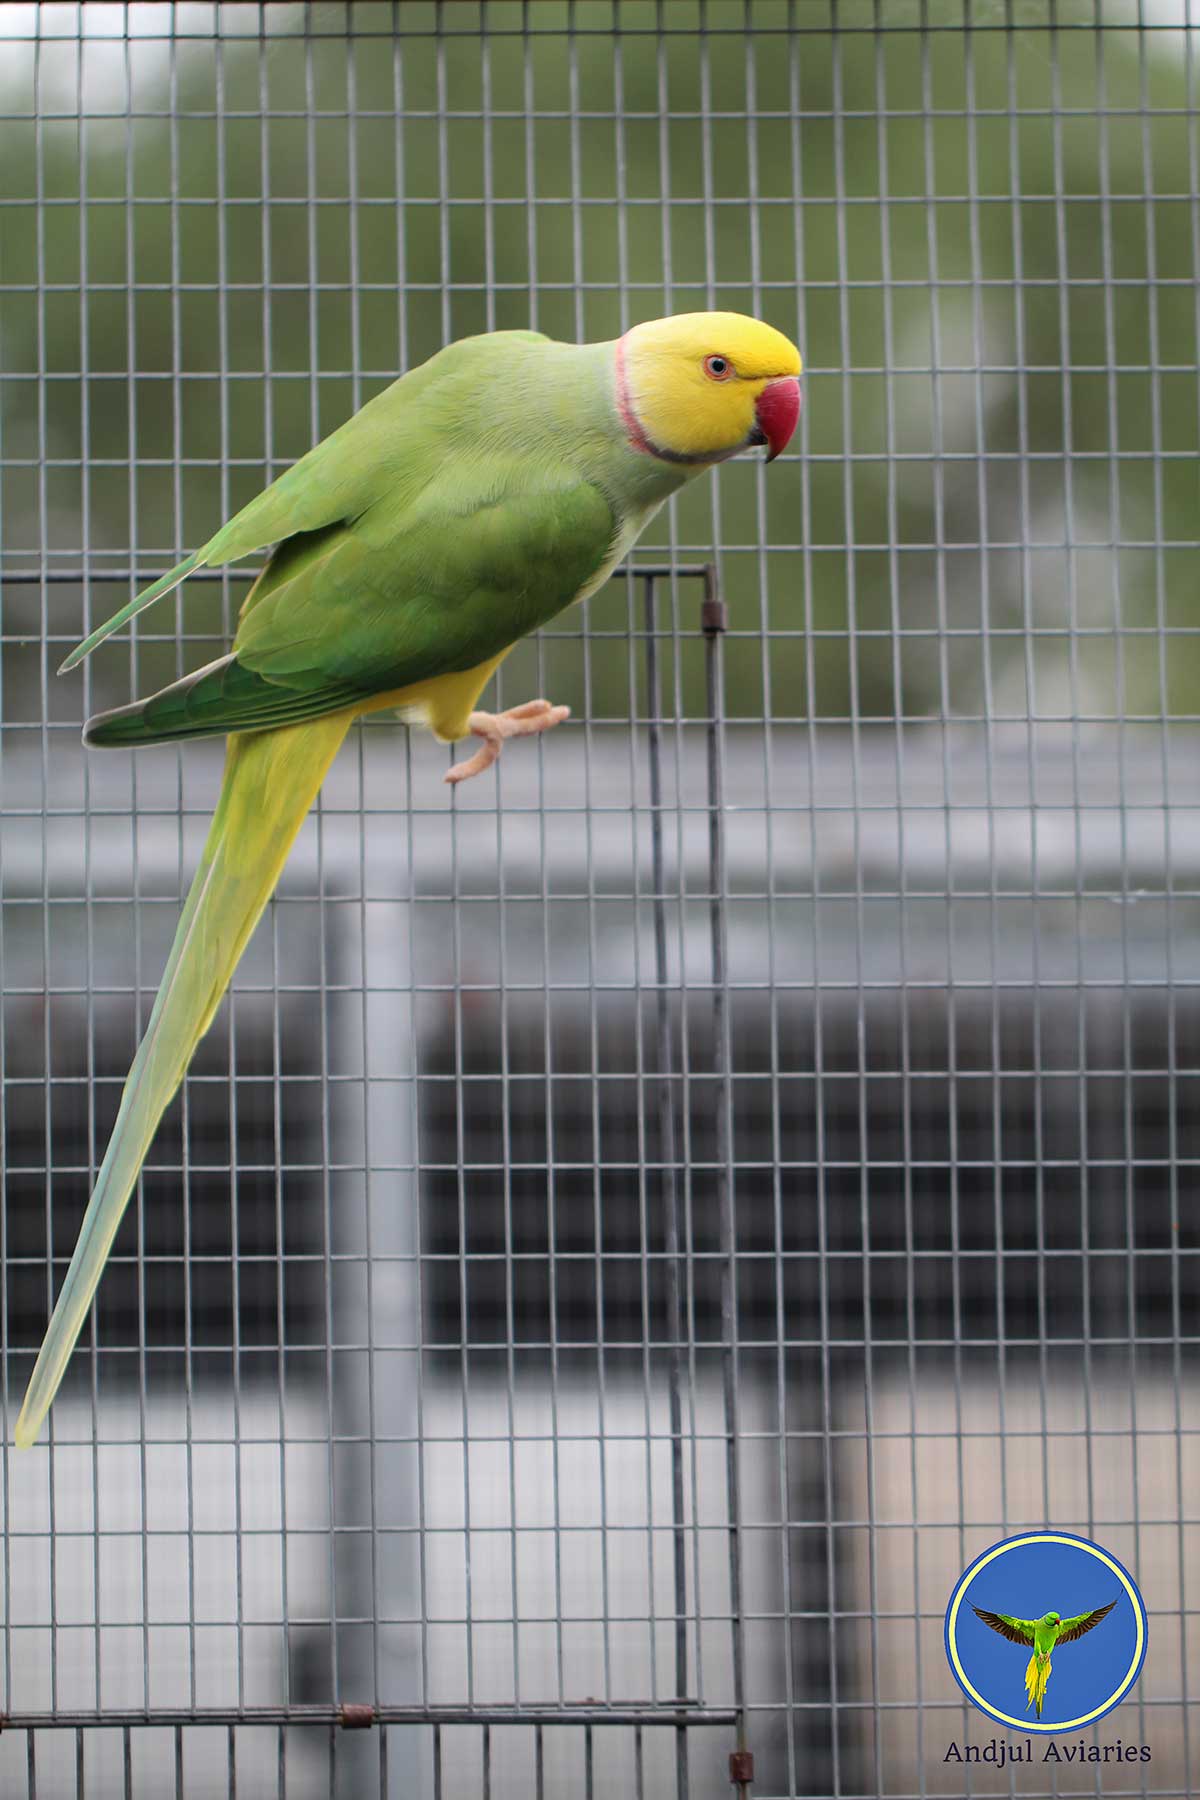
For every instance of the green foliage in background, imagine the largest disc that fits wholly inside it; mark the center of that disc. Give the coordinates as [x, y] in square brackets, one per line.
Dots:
[984, 240]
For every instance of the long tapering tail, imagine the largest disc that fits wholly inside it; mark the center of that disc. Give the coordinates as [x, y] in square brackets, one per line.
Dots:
[1037, 1677]
[271, 779]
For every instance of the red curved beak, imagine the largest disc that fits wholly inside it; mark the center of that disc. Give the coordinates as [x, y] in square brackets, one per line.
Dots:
[777, 411]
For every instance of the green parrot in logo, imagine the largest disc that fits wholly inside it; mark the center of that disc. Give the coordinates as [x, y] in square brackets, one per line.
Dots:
[1042, 1636]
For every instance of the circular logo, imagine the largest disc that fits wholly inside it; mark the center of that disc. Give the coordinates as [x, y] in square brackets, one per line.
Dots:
[1046, 1632]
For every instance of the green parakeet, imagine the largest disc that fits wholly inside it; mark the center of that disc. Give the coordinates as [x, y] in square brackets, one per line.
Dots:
[1042, 1636]
[462, 508]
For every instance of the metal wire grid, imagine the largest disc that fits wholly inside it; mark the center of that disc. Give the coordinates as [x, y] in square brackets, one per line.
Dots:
[964, 1270]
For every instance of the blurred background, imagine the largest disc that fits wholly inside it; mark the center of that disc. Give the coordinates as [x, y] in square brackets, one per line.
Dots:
[400, 1391]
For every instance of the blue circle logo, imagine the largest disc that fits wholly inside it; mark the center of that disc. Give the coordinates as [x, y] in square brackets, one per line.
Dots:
[1046, 1632]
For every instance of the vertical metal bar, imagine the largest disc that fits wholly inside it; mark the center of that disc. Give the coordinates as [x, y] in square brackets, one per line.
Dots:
[886, 216]
[823, 1093]
[464, 1262]
[460, 1097]
[561, 1544]
[131, 277]
[506, 1087]
[530, 149]
[488, 208]
[1090, 1189]
[43, 451]
[180, 876]
[400, 98]
[1025, 517]
[846, 357]
[280, 1294]
[225, 441]
[669, 1173]
[621, 183]
[646, 1294]
[85, 523]
[713, 621]
[85, 449]
[1129, 1147]
[576, 180]
[783, 1484]
[679, 1305]
[1172, 928]
[445, 269]
[373, 1596]
[715, 495]
[312, 249]
[581, 333]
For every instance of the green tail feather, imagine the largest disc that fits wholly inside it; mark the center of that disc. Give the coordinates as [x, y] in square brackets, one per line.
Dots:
[147, 597]
[271, 779]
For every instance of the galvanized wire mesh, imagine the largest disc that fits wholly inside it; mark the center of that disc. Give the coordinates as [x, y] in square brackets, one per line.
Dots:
[495, 1210]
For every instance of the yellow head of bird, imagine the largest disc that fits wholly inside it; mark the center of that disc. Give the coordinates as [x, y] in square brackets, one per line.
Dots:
[698, 387]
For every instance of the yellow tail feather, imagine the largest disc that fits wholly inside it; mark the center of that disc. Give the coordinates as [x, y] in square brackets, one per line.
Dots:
[1037, 1675]
[271, 780]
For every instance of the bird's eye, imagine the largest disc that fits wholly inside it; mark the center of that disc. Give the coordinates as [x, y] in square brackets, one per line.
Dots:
[717, 368]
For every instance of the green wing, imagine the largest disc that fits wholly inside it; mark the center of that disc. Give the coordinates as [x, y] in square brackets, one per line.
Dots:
[1017, 1631]
[406, 592]
[366, 460]
[1070, 1629]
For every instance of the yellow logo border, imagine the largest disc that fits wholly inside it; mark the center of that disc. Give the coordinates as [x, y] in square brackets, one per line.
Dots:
[1047, 1537]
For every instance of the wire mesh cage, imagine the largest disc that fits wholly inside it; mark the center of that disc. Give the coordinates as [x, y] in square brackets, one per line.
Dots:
[635, 1230]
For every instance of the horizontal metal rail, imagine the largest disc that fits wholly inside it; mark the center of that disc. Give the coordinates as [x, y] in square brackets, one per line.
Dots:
[353, 1716]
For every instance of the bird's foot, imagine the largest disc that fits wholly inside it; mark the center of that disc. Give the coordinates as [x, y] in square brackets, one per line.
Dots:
[493, 728]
